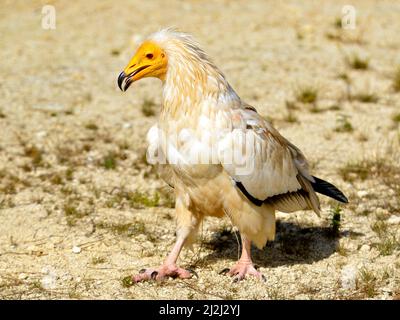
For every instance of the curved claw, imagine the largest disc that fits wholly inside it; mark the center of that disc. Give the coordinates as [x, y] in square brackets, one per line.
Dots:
[154, 275]
[241, 270]
[224, 271]
[194, 273]
[263, 278]
[163, 272]
[236, 279]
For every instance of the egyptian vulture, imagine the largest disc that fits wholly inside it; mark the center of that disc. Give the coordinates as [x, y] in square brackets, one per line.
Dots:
[220, 156]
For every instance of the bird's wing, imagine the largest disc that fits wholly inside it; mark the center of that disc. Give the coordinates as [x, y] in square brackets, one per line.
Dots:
[264, 165]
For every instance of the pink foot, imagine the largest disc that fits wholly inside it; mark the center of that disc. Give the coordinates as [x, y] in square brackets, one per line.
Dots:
[165, 271]
[240, 269]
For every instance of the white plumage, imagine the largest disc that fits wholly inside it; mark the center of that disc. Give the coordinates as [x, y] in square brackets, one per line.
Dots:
[219, 154]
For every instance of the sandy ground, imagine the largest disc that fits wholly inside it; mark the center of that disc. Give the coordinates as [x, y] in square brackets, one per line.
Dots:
[80, 210]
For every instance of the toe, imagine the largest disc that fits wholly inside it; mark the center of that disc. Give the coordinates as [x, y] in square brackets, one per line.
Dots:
[144, 275]
[183, 273]
[238, 277]
[193, 273]
[240, 270]
[164, 272]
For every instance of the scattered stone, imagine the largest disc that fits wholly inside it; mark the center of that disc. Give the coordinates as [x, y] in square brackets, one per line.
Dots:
[22, 276]
[148, 245]
[394, 220]
[76, 249]
[141, 237]
[387, 290]
[41, 134]
[362, 193]
[365, 248]
[383, 213]
[49, 280]
[127, 125]
[349, 244]
[349, 277]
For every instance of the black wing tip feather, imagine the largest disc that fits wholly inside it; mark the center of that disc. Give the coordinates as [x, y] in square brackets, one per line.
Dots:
[255, 201]
[328, 189]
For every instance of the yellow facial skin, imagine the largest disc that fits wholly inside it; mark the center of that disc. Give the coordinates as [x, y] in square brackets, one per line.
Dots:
[149, 61]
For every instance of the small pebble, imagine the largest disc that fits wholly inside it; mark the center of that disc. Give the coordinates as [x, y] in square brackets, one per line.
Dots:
[127, 125]
[41, 134]
[362, 193]
[381, 212]
[22, 276]
[394, 220]
[348, 277]
[76, 249]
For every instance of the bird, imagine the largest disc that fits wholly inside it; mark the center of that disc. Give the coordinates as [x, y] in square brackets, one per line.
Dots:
[222, 158]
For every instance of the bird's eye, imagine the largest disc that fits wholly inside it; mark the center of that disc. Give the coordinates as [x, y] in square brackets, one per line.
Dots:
[149, 56]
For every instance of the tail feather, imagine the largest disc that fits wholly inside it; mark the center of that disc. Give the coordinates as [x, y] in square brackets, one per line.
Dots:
[328, 189]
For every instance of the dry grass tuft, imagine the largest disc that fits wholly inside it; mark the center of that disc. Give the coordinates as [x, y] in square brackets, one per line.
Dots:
[367, 283]
[356, 62]
[138, 200]
[306, 94]
[124, 229]
[378, 168]
[10, 183]
[110, 161]
[343, 124]
[396, 118]
[366, 97]
[396, 80]
[91, 126]
[73, 213]
[35, 154]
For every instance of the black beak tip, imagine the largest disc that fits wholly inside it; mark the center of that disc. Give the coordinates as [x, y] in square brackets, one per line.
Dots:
[121, 79]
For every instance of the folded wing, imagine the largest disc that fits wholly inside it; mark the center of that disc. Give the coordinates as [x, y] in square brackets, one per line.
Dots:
[265, 166]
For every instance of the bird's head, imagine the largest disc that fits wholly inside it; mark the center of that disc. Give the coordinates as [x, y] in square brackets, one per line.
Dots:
[150, 60]
[186, 70]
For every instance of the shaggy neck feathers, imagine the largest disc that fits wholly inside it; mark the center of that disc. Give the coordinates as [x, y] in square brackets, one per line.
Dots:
[192, 79]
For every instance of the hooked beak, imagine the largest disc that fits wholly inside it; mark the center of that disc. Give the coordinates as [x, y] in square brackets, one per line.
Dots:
[125, 80]
[121, 78]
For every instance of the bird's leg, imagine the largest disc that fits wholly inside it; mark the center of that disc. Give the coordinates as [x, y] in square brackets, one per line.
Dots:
[168, 268]
[187, 225]
[244, 265]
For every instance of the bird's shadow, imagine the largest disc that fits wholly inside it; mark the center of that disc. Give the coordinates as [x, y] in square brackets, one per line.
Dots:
[293, 244]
